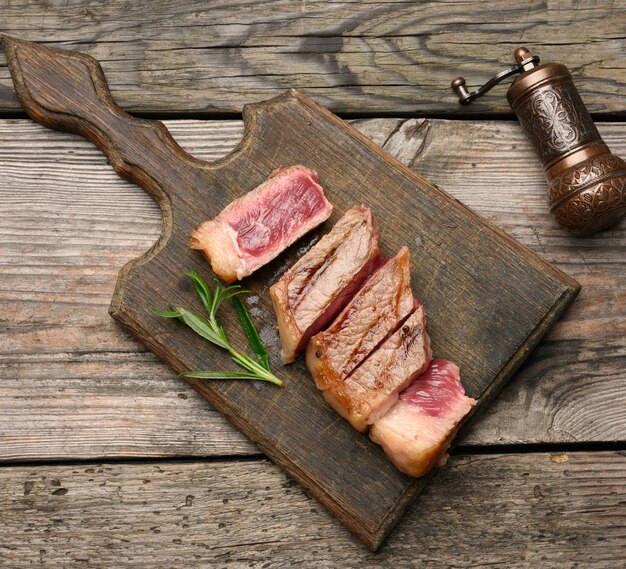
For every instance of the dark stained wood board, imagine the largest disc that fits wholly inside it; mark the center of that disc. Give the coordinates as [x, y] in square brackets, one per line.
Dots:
[488, 299]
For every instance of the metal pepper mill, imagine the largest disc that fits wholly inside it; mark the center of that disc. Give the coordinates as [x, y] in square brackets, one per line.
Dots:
[587, 183]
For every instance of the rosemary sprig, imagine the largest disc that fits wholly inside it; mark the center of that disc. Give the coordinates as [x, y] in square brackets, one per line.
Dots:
[210, 330]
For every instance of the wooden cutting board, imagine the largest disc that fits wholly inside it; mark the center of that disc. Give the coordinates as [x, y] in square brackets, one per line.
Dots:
[488, 299]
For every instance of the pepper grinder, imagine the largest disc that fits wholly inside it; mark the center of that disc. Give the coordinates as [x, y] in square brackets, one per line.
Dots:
[587, 183]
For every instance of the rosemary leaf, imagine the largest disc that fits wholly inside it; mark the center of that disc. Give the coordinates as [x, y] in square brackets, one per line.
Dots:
[223, 294]
[203, 328]
[251, 333]
[234, 294]
[172, 312]
[216, 298]
[219, 375]
[202, 289]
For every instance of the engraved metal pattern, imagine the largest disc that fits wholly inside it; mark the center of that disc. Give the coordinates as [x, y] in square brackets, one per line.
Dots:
[606, 199]
[585, 174]
[555, 119]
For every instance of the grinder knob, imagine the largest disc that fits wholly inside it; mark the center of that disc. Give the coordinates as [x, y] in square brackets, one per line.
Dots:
[587, 183]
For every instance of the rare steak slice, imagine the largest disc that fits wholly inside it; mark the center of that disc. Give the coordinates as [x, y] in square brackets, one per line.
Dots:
[254, 229]
[373, 387]
[312, 292]
[373, 314]
[419, 428]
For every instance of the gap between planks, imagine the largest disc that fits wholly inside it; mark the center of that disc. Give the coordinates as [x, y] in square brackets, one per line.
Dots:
[617, 117]
[459, 451]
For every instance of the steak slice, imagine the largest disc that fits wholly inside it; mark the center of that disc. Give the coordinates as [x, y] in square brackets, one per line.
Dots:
[419, 428]
[372, 389]
[311, 293]
[371, 316]
[251, 231]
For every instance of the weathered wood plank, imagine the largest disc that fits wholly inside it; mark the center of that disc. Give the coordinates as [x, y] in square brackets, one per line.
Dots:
[68, 224]
[522, 510]
[351, 56]
[508, 303]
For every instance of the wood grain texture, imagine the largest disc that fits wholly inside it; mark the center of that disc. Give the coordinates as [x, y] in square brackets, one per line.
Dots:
[67, 223]
[525, 511]
[507, 296]
[374, 56]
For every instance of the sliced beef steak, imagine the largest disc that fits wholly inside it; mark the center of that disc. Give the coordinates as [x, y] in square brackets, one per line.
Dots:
[254, 229]
[311, 293]
[375, 312]
[372, 389]
[418, 429]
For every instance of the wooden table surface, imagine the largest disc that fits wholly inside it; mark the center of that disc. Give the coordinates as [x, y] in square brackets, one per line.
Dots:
[108, 460]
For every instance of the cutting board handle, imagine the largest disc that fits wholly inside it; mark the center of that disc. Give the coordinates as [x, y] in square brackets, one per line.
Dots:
[66, 90]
